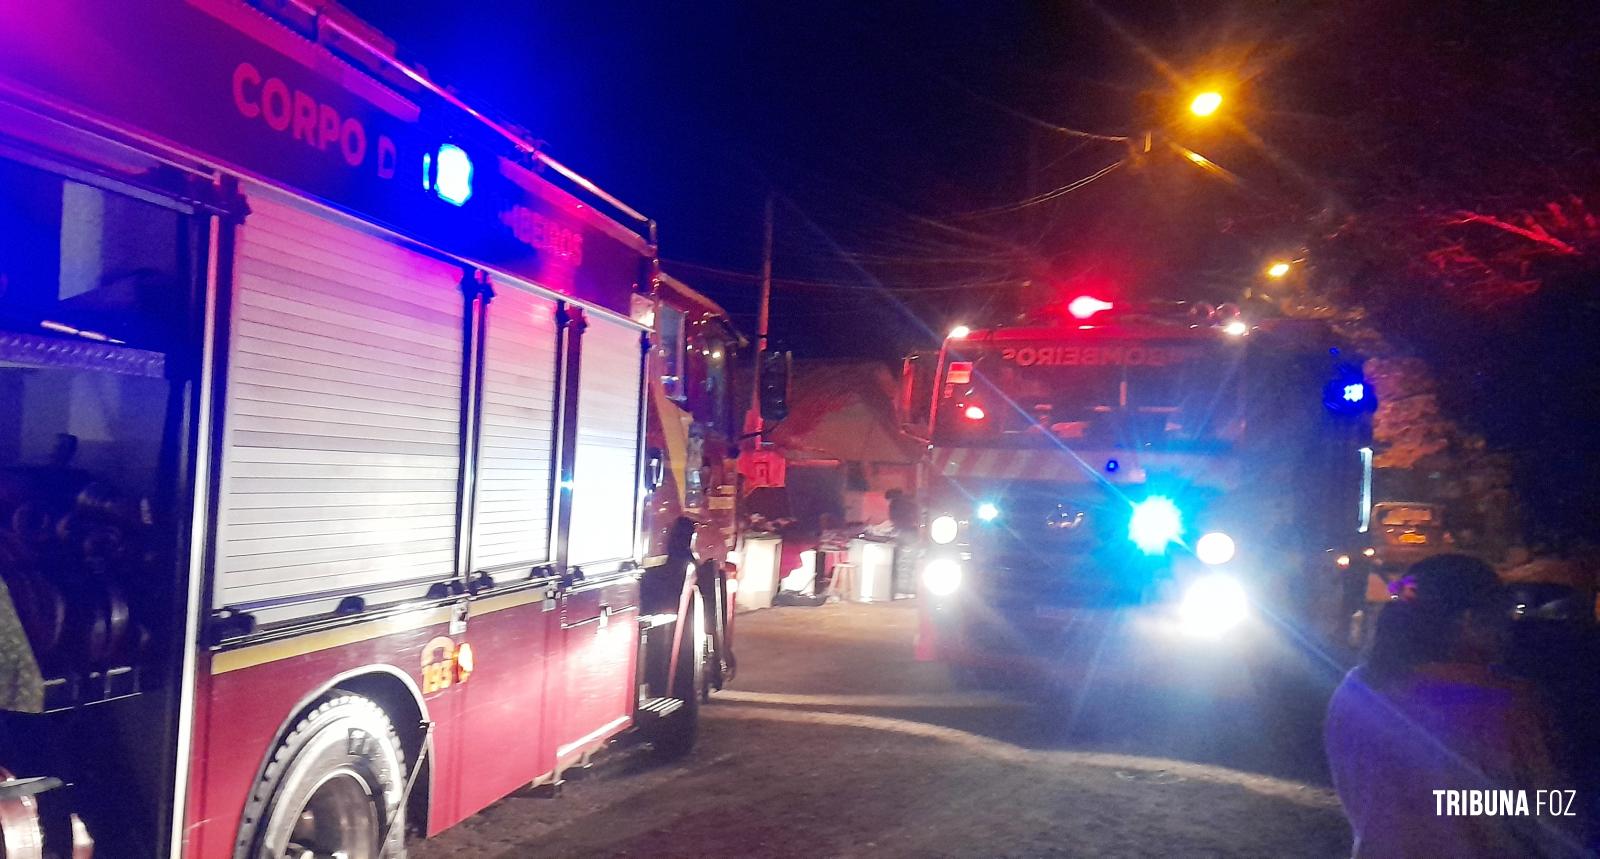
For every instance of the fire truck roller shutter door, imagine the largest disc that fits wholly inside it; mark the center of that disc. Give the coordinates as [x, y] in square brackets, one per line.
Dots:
[516, 437]
[605, 469]
[342, 425]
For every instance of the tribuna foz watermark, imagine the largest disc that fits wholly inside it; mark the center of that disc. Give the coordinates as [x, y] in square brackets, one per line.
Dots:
[1504, 803]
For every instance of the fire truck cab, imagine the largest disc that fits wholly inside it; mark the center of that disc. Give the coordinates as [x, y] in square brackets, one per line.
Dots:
[1129, 456]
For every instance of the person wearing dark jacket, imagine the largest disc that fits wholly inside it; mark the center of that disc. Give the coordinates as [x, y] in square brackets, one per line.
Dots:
[1428, 722]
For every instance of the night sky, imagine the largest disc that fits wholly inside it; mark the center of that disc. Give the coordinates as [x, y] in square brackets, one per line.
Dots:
[874, 122]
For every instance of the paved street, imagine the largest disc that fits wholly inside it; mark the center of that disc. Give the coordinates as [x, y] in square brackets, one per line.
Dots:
[834, 742]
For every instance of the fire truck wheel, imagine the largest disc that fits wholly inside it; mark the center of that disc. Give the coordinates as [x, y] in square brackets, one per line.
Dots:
[333, 787]
[674, 735]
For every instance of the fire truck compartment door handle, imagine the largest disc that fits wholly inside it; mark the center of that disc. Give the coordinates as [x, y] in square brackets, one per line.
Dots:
[603, 619]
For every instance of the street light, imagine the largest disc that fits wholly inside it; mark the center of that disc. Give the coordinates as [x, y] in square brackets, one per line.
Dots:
[1206, 103]
[1277, 269]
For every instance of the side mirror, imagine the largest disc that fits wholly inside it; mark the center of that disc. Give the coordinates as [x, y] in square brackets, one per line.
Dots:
[916, 392]
[774, 390]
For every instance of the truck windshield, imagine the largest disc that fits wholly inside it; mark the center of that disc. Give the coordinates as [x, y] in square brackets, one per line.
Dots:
[1102, 393]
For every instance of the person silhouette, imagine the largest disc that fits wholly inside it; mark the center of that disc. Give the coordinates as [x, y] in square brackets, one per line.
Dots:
[1427, 714]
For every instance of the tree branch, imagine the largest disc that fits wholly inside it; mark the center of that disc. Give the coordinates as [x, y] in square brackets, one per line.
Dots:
[1538, 234]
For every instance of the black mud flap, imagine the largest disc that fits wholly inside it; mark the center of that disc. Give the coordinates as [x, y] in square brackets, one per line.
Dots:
[712, 581]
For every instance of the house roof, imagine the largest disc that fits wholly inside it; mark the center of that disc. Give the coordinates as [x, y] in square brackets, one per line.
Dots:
[844, 410]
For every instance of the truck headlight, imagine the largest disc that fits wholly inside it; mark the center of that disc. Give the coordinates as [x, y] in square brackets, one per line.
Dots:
[943, 529]
[942, 576]
[1214, 548]
[1213, 604]
[1155, 523]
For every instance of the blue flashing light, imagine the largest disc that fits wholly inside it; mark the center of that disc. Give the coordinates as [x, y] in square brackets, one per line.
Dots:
[988, 512]
[1112, 465]
[1156, 523]
[1347, 393]
[452, 179]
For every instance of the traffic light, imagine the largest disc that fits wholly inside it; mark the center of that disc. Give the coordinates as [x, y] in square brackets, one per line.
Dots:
[773, 394]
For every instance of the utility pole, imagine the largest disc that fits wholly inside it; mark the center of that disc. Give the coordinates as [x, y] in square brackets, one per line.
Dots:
[762, 314]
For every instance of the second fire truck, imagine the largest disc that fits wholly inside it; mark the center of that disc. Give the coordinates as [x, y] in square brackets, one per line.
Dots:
[1120, 456]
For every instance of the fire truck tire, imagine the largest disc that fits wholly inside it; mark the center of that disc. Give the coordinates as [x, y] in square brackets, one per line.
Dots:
[333, 787]
[674, 736]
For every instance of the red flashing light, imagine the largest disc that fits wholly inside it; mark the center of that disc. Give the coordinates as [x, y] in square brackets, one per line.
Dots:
[1085, 306]
[975, 413]
[960, 373]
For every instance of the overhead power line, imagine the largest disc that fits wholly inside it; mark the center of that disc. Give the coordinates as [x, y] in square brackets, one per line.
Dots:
[803, 283]
[1045, 197]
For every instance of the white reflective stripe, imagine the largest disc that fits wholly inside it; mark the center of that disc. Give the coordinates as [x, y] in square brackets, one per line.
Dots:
[605, 468]
[1008, 463]
[1030, 463]
[341, 447]
[515, 441]
[975, 462]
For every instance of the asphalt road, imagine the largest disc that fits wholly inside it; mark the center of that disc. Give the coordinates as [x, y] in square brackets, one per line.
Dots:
[833, 741]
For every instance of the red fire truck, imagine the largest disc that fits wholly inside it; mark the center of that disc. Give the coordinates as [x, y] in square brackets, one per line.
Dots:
[356, 466]
[1126, 456]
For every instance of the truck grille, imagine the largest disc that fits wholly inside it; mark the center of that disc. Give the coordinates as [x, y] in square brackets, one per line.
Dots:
[1049, 548]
